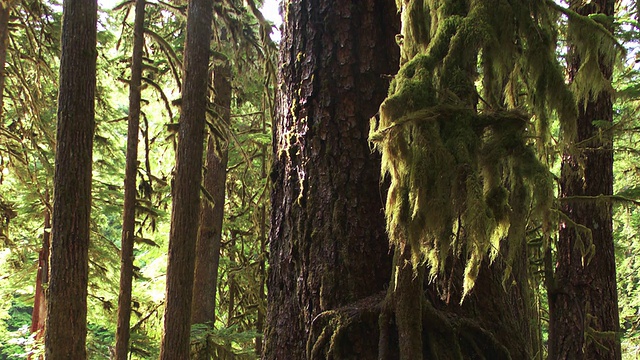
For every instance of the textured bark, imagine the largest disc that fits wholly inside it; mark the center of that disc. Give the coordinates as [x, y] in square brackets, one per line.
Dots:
[329, 254]
[130, 190]
[203, 308]
[502, 315]
[328, 246]
[39, 315]
[186, 191]
[67, 307]
[583, 301]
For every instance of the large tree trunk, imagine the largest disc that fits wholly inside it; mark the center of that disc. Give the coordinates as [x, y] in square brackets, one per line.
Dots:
[328, 246]
[66, 330]
[329, 254]
[186, 191]
[203, 307]
[130, 189]
[583, 302]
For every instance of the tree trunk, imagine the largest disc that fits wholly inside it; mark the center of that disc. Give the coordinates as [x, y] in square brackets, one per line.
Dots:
[329, 254]
[211, 216]
[328, 246]
[66, 330]
[5, 7]
[130, 189]
[39, 315]
[186, 191]
[583, 303]
[263, 251]
[231, 280]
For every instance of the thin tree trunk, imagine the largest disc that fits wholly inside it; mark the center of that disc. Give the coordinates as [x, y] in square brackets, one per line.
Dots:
[231, 281]
[583, 302]
[408, 304]
[130, 190]
[66, 329]
[39, 315]
[205, 285]
[211, 216]
[263, 243]
[5, 7]
[186, 191]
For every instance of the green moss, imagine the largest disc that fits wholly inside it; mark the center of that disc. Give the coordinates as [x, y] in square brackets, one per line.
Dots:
[453, 166]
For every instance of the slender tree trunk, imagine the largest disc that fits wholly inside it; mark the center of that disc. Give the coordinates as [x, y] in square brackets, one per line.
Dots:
[186, 191]
[66, 329]
[130, 189]
[231, 281]
[205, 284]
[39, 315]
[263, 245]
[583, 304]
[328, 246]
[5, 7]
[408, 304]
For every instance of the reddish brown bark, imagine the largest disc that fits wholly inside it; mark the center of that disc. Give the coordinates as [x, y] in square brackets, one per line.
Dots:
[328, 246]
[205, 284]
[67, 306]
[583, 303]
[130, 189]
[329, 255]
[188, 175]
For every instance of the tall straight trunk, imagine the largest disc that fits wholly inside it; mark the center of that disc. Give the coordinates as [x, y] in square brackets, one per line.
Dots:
[263, 246]
[186, 191]
[130, 189]
[5, 7]
[583, 305]
[66, 329]
[203, 307]
[328, 246]
[205, 284]
[39, 315]
[231, 281]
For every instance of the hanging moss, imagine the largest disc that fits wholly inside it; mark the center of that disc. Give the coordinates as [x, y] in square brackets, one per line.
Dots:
[595, 45]
[464, 177]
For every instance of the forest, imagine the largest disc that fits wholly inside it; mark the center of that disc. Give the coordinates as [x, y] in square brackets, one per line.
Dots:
[317, 179]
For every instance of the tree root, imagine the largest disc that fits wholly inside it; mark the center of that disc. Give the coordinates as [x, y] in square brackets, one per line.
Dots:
[368, 329]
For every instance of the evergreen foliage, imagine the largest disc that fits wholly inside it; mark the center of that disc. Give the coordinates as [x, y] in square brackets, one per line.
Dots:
[26, 147]
[626, 189]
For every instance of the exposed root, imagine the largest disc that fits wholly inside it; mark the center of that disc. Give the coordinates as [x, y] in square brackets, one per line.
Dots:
[368, 329]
